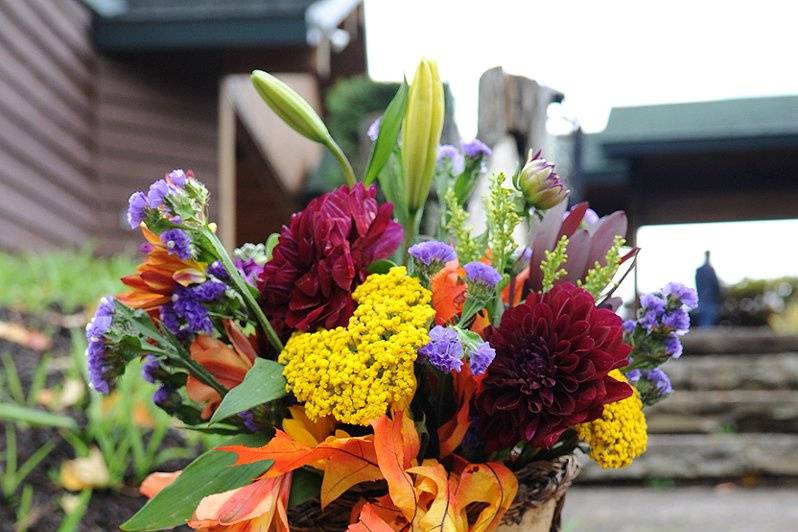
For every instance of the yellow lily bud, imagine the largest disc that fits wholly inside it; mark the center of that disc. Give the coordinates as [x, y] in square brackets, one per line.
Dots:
[290, 106]
[421, 132]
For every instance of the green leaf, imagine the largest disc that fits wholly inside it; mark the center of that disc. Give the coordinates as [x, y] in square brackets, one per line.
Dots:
[72, 519]
[34, 416]
[212, 472]
[380, 266]
[305, 485]
[389, 131]
[264, 382]
[270, 243]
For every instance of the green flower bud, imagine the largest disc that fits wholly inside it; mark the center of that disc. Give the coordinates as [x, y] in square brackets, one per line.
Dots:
[290, 106]
[421, 133]
[539, 183]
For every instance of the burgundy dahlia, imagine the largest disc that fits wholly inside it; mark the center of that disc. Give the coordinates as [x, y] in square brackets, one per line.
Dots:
[553, 354]
[322, 255]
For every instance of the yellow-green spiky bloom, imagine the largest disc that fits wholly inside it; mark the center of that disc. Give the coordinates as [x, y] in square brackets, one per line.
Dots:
[421, 133]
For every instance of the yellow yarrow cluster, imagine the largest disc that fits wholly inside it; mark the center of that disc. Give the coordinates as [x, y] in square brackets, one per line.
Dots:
[619, 435]
[355, 373]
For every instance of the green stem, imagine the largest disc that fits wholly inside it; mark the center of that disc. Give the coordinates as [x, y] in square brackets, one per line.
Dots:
[343, 162]
[193, 367]
[410, 227]
[243, 288]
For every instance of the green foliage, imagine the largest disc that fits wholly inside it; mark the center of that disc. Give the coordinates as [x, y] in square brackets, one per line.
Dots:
[12, 474]
[599, 277]
[456, 226]
[264, 382]
[72, 521]
[385, 144]
[551, 264]
[71, 279]
[502, 218]
[213, 472]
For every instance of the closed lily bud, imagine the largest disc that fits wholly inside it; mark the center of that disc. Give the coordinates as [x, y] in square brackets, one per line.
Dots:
[421, 132]
[539, 183]
[290, 106]
[297, 113]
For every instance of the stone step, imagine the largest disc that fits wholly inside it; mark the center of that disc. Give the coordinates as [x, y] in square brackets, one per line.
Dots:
[725, 411]
[778, 371]
[705, 457]
[724, 340]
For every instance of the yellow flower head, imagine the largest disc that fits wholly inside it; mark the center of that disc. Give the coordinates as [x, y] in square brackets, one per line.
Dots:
[356, 373]
[619, 435]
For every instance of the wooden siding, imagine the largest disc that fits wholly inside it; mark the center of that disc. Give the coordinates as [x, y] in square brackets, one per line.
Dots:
[148, 124]
[79, 133]
[46, 155]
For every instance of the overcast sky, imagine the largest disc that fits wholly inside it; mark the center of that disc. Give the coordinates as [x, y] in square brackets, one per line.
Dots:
[613, 53]
[600, 54]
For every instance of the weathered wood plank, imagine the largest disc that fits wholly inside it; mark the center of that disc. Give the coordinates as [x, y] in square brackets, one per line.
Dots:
[17, 238]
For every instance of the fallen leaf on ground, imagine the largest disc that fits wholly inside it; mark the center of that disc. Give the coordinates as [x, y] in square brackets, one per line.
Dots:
[70, 394]
[19, 334]
[82, 473]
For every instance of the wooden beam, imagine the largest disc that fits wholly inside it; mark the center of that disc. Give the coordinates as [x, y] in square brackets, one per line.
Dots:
[227, 167]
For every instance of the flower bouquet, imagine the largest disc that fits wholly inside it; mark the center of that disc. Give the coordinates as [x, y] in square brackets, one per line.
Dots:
[376, 368]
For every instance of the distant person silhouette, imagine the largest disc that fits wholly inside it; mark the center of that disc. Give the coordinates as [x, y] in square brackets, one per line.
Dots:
[708, 288]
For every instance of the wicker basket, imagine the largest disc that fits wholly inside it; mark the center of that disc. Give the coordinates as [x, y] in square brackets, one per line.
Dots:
[537, 507]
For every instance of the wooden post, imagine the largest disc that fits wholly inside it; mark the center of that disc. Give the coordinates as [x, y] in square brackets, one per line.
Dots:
[227, 168]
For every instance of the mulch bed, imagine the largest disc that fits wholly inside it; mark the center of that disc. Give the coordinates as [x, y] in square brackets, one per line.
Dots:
[108, 508]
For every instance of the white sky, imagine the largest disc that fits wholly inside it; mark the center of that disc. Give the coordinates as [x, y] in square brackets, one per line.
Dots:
[613, 53]
[599, 54]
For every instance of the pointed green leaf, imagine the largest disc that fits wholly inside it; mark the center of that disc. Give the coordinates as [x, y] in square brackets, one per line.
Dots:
[389, 131]
[212, 472]
[264, 382]
[380, 266]
[305, 485]
[34, 416]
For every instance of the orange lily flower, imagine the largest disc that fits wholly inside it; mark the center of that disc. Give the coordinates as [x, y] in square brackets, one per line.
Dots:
[228, 365]
[448, 292]
[155, 279]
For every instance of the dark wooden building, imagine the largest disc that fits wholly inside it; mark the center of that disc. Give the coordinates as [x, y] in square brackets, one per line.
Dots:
[99, 98]
[694, 162]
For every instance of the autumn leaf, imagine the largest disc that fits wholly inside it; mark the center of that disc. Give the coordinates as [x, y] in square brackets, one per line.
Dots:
[491, 483]
[256, 505]
[157, 481]
[346, 461]
[370, 520]
[432, 480]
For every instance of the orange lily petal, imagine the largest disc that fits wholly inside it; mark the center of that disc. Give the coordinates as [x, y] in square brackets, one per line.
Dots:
[451, 433]
[155, 482]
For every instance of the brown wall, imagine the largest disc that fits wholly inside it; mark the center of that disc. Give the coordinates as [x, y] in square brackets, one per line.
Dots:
[147, 124]
[46, 119]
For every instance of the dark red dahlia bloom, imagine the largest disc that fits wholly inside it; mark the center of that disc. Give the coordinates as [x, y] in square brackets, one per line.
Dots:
[553, 353]
[322, 256]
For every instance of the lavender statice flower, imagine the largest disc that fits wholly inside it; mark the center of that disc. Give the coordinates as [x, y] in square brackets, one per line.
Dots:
[673, 346]
[652, 303]
[629, 326]
[250, 269]
[216, 268]
[177, 243]
[177, 178]
[474, 149]
[250, 423]
[681, 295]
[660, 380]
[432, 255]
[156, 194]
[654, 385]
[481, 358]
[374, 130]
[450, 154]
[162, 395]
[444, 350]
[104, 366]
[149, 368]
[676, 320]
[185, 313]
[478, 273]
[137, 203]
[633, 375]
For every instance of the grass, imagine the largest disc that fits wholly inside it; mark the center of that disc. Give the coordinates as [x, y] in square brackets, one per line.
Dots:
[69, 279]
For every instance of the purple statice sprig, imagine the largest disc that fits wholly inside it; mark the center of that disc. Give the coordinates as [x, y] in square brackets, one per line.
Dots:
[444, 350]
[479, 352]
[475, 149]
[175, 198]
[654, 384]
[104, 366]
[187, 313]
[450, 159]
[482, 283]
[481, 274]
[178, 243]
[430, 256]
